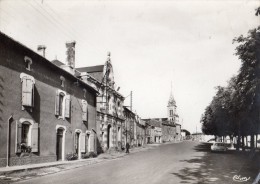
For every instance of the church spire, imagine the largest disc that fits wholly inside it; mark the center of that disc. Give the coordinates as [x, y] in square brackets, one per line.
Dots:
[171, 101]
[171, 107]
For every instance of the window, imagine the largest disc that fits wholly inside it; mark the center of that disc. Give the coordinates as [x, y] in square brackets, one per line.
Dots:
[171, 112]
[25, 132]
[28, 62]
[84, 93]
[26, 136]
[62, 104]
[62, 81]
[27, 90]
[84, 104]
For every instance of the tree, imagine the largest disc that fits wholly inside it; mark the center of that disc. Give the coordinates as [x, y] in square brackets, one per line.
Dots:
[247, 95]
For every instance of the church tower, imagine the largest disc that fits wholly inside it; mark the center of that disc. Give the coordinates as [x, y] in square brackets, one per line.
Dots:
[171, 108]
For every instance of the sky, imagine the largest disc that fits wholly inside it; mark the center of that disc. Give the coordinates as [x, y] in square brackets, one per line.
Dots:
[153, 44]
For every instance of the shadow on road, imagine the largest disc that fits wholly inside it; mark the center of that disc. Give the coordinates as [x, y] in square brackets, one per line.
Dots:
[219, 167]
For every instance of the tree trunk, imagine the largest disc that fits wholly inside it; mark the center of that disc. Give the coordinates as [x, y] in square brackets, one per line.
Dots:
[231, 141]
[256, 137]
[243, 143]
[252, 141]
[238, 142]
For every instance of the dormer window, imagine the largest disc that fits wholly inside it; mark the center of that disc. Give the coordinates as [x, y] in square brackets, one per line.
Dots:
[62, 81]
[84, 93]
[28, 62]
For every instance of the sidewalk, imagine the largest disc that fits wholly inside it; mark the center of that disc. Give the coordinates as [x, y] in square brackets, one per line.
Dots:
[23, 172]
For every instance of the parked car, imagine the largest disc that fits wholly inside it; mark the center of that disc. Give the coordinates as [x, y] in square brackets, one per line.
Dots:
[219, 146]
[211, 140]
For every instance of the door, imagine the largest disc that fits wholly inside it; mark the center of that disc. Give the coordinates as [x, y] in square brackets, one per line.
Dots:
[108, 136]
[59, 144]
[77, 142]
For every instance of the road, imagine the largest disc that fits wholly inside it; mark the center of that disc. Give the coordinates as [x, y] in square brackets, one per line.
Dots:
[185, 162]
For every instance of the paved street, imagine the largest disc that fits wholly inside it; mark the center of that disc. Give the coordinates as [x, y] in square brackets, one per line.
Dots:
[185, 162]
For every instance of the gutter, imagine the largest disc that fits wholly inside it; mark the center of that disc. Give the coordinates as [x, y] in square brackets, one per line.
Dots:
[8, 137]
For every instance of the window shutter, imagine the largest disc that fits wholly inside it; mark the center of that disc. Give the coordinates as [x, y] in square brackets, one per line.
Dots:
[18, 137]
[32, 94]
[87, 142]
[67, 106]
[57, 104]
[91, 137]
[27, 92]
[34, 139]
[84, 111]
[83, 142]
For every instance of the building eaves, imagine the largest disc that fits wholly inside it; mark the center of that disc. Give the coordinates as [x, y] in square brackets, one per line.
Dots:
[45, 60]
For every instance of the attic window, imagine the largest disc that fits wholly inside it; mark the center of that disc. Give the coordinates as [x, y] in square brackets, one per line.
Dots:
[62, 81]
[28, 62]
[84, 93]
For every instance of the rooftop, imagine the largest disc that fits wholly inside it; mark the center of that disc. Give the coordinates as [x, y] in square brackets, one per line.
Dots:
[91, 69]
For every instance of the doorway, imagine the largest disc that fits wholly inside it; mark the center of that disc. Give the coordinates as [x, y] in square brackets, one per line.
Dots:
[109, 134]
[77, 143]
[59, 146]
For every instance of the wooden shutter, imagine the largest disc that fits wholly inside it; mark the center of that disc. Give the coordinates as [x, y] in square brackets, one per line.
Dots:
[83, 142]
[18, 137]
[27, 93]
[91, 141]
[67, 106]
[84, 111]
[32, 94]
[57, 103]
[34, 138]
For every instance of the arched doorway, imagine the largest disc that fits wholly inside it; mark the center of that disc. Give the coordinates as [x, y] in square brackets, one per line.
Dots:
[109, 136]
[88, 142]
[77, 142]
[59, 145]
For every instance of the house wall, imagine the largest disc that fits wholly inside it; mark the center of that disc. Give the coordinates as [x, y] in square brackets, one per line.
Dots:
[169, 133]
[47, 81]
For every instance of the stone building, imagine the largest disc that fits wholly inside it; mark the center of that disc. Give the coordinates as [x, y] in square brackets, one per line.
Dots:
[153, 130]
[170, 129]
[129, 128]
[140, 131]
[109, 104]
[46, 112]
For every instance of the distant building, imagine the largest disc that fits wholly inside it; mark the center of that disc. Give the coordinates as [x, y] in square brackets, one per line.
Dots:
[46, 111]
[153, 131]
[170, 129]
[140, 131]
[129, 133]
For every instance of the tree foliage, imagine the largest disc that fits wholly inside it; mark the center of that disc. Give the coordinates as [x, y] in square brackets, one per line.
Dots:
[235, 109]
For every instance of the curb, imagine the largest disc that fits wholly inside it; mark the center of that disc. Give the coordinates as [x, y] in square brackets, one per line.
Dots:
[43, 166]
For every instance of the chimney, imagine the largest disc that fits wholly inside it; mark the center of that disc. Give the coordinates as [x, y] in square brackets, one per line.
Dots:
[70, 62]
[42, 48]
[71, 54]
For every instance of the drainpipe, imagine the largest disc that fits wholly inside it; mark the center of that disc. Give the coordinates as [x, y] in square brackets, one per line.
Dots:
[8, 136]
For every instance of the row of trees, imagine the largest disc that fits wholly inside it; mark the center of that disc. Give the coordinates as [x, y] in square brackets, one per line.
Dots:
[235, 109]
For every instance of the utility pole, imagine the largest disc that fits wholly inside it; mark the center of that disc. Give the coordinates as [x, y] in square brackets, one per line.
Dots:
[131, 100]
